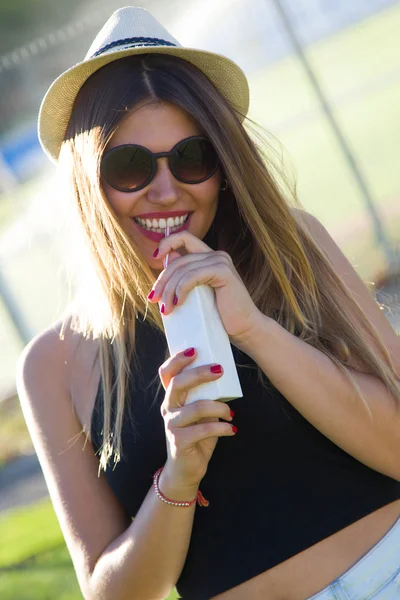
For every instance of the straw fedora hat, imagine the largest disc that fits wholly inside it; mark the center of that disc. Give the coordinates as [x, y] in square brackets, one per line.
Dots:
[128, 31]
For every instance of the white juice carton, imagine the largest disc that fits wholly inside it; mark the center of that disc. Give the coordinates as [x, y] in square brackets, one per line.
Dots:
[197, 323]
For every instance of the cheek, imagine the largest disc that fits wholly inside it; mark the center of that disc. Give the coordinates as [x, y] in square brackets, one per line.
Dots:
[121, 203]
[209, 192]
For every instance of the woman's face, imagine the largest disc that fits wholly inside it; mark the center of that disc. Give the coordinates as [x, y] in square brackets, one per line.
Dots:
[159, 127]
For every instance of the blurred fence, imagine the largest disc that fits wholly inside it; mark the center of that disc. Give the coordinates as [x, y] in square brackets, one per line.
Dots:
[352, 50]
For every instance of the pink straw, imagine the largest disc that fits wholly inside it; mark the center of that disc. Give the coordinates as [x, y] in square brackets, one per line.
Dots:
[165, 261]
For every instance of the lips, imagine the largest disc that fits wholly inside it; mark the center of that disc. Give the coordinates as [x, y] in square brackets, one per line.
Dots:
[156, 237]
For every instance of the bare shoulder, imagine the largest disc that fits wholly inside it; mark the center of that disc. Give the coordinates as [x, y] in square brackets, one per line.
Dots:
[56, 344]
[46, 344]
[67, 359]
[359, 291]
[89, 514]
[303, 218]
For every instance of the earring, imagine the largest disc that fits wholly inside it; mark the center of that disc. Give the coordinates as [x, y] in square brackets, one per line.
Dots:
[224, 186]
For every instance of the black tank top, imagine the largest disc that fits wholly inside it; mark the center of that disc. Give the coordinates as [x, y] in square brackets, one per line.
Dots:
[276, 488]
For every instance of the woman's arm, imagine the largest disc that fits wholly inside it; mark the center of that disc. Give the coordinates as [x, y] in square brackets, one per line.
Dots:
[145, 561]
[115, 558]
[313, 384]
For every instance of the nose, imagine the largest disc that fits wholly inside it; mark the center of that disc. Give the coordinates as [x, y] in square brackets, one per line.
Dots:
[164, 189]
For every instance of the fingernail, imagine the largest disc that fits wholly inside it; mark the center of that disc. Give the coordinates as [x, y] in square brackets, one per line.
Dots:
[189, 352]
[216, 369]
[150, 295]
[155, 254]
[232, 414]
[162, 309]
[175, 300]
[234, 428]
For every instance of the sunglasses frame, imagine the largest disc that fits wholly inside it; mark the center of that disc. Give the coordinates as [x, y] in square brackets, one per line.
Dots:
[154, 156]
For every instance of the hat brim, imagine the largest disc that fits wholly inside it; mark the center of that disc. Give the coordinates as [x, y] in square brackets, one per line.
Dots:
[56, 107]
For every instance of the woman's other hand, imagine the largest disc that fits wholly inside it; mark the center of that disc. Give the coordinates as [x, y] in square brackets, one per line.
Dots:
[191, 431]
[202, 265]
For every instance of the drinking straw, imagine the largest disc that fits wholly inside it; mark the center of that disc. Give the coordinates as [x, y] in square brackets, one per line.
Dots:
[167, 232]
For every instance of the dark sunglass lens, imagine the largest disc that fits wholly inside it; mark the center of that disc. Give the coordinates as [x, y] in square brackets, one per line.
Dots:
[194, 160]
[127, 167]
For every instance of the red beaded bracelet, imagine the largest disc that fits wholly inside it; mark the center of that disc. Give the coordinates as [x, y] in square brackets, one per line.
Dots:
[199, 496]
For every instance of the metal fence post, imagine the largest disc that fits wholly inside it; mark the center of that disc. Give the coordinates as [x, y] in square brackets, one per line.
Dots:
[350, 158]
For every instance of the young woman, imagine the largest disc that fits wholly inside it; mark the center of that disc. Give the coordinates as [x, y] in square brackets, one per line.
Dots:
[299, 479]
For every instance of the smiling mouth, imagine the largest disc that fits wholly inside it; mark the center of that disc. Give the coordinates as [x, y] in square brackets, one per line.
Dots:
[159, 225]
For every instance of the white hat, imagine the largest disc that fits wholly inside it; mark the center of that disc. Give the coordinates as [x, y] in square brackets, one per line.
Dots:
[128, 31]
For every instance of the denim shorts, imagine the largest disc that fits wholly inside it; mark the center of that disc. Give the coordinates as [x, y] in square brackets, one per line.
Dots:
[376, 576]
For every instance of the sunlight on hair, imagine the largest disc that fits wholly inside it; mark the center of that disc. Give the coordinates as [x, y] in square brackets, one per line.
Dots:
[260, 223]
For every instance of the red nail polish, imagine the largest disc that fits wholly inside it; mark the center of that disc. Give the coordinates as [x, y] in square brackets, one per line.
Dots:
[189, 352]
[150, 295]
[175, 300]
[216, 369]
[155, 253]
[162, 309]
[234, 428]
[232, 414]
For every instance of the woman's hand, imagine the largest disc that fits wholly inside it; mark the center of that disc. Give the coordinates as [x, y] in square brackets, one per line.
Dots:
[191, 431]
[202, 265]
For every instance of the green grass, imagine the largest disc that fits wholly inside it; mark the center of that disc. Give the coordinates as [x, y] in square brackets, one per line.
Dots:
[27, 532]
[48, 577]
[34, 561]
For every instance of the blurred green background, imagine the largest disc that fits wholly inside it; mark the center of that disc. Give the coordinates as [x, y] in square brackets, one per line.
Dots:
[353, 52]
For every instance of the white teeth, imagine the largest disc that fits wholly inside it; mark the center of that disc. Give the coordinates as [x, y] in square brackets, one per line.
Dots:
[159, 225]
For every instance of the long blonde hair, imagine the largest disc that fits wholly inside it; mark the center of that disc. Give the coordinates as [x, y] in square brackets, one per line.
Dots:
[258, 223]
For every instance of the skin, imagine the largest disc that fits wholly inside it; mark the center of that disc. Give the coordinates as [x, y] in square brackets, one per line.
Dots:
[159, 127]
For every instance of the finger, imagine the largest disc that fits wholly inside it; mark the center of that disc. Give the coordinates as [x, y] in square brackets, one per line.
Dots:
[180, 384]
[174, 254]
[214, 272]
[188, 436]
[174, 365]
[199, 411]
[182, 239]
[166, 274]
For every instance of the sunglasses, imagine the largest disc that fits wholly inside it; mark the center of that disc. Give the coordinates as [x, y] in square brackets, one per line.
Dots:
[129, 168]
